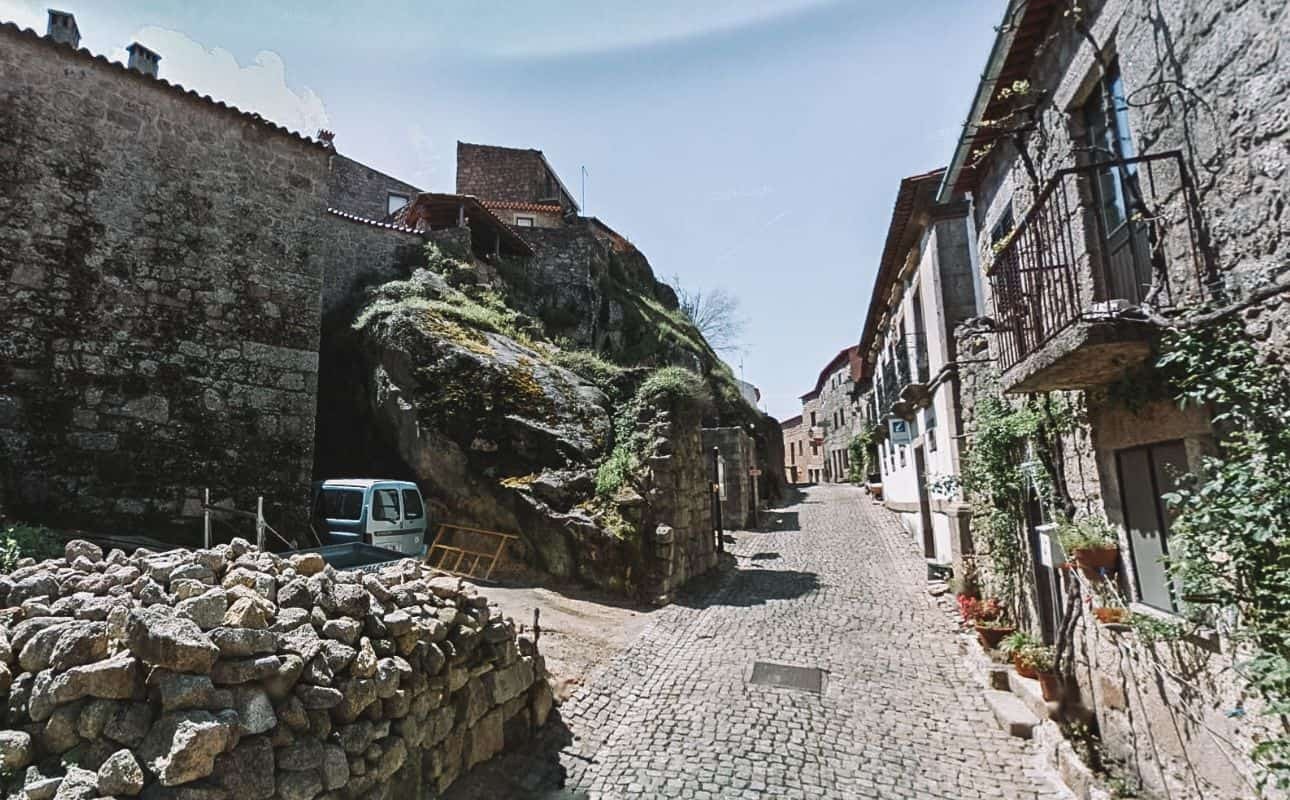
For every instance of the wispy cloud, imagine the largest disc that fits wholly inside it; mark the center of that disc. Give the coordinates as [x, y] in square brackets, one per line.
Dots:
[260, 86]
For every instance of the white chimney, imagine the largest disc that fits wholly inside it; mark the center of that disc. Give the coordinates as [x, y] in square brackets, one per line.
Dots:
[62, 28]
[143, 59]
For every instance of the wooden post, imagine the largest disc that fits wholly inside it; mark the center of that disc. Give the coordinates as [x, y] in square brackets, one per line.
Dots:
[206, 519]
[259, 522]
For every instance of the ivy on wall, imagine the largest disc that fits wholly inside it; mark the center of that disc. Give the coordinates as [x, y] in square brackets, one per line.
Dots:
[1010, 461]
[1230, 537]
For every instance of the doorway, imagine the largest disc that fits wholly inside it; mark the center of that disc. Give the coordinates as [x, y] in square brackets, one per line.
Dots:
[924, 504]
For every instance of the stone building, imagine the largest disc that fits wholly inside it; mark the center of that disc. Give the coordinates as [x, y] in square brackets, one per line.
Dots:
[795, 435]
[835, 411]
[1128, 155]
[519, 184]
[925, 288]
[160, 315]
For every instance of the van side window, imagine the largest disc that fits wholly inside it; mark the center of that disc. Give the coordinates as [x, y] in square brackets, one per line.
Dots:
[385, 505]
[340, 504]
[411, 504]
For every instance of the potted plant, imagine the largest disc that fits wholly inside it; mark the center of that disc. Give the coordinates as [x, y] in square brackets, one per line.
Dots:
[990, 622]
[1111, 615]
[1092, 542]
[1013, 646]
[1038, 660]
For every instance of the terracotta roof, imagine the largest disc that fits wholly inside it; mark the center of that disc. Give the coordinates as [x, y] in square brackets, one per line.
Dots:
[374, 223]
[10, 29]
[513, 205]
[914, 191]
[1025, 23]
[844, 355]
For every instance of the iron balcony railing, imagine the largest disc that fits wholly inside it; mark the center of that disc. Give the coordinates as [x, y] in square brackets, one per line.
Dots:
[1096, 234]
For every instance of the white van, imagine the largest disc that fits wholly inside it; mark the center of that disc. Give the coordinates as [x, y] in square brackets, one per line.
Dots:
[382, 513]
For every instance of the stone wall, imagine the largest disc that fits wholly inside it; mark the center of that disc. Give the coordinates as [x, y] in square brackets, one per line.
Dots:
[234, 674]
[737, 452]
[357, 189]
[1205, 81]
[506, 173]
[679, 537]
[358, 253]
[159, 323]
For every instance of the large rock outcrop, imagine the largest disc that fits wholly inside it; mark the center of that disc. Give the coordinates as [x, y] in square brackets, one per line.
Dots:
[341, 684]
[505, 389]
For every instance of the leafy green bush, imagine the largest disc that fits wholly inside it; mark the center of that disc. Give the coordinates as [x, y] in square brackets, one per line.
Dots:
[20, 541]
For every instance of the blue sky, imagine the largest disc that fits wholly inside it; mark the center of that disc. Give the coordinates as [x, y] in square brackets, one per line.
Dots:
[754, 145]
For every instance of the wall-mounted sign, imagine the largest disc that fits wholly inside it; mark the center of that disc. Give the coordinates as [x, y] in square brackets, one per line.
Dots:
[900, 430]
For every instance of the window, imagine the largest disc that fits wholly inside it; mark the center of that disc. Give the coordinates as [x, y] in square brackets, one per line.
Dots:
[393, 202]
[930, 419]
[1003, 226]
[412, 504]
[812, 419]
[815, 449]
[842, 416]
[1146, 474]
[340, 503]
[385, 505]
[524, 222]
[902, 455]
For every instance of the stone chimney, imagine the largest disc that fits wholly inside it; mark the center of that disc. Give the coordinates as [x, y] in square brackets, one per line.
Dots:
[143, 59]
[62, 28]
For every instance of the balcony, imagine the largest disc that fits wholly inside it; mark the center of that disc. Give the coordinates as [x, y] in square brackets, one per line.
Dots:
[817, 434]
[914, 349]
[904, 378]
[1065, 281]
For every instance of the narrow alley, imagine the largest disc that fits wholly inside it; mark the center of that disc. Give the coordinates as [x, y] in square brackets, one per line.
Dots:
[837, 586]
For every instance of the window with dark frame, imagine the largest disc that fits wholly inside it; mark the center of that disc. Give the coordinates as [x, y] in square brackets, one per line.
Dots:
[524, 222]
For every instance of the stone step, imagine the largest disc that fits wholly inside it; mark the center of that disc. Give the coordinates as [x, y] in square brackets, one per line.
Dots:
[1032, 695]
[1012, 714]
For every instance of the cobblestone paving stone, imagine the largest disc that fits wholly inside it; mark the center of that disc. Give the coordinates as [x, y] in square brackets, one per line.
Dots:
[841, 589]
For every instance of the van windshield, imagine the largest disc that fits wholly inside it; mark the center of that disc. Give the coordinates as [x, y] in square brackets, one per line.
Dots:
[342, 503]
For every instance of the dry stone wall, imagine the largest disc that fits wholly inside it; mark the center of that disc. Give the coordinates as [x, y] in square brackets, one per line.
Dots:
[235, 673]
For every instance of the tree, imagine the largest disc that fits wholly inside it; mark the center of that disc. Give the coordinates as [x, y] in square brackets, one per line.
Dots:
[714, 312]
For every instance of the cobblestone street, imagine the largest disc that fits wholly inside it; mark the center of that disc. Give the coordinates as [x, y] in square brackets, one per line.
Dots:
[839, 587]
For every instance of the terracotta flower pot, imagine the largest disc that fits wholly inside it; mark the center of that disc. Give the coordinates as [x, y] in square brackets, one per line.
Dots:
[1097, 558]
[1109, 615]
[990, 637]
[1051, 685]
[1023, 670]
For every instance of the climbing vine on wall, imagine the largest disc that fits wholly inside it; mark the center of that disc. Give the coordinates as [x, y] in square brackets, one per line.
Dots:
[1009, 458]
[1230, 539]
[861, 450]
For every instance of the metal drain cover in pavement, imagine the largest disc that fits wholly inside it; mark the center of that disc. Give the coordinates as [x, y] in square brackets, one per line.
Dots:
[804, 679]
